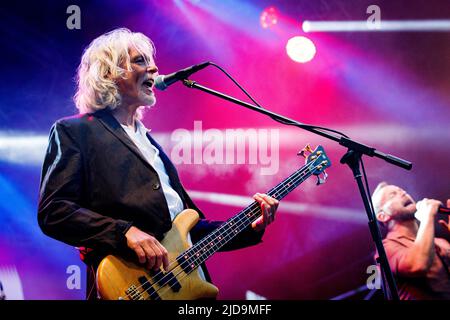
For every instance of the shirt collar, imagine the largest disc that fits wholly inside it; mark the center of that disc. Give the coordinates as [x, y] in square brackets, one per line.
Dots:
[140, 127]
[395, 235]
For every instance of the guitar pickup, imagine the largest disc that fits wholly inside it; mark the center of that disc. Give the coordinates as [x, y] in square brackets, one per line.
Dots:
[147, 286]
[157, 276]
[173, 283]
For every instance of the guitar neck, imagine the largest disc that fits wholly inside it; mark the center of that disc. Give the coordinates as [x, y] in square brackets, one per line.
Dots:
[201, 251]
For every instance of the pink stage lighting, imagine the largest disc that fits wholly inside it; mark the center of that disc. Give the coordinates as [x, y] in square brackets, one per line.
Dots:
[268, 18]
[300, 49]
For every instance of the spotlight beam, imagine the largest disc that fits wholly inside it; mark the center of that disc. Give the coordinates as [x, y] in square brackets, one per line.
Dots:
[22, 148]
[295, 208]
[382, 26]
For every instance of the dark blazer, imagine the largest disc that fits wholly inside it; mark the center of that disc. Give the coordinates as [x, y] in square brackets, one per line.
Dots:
[96, 184]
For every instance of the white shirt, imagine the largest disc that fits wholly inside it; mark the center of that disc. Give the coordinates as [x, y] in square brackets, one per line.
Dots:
[151, 154]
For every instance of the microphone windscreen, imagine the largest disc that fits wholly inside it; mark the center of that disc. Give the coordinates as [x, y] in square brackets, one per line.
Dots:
[159, 83]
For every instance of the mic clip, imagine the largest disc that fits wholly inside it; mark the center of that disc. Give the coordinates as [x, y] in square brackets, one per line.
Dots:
[189, 83]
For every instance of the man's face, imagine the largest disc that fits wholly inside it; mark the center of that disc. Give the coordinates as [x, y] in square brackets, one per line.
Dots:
[397, 203]
[136, 88]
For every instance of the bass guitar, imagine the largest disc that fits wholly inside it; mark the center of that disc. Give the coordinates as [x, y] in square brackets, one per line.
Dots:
[119, 278]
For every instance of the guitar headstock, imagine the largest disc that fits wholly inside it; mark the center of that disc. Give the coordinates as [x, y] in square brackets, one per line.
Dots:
[318, 160]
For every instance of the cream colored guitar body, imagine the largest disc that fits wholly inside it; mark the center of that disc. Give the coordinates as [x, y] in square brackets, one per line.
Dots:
[118, 278]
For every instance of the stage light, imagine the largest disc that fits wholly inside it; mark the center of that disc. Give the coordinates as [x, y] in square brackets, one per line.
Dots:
[268, 18]
[385, 25]
[300, 49]
[11, 284]
[306, 26]
[295, 208]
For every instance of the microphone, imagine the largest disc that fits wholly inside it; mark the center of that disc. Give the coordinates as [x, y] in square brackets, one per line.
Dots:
[444, 210]
[163, 81]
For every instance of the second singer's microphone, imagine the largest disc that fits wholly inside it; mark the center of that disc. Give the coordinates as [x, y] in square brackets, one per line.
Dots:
[163, 81]
[444, 210]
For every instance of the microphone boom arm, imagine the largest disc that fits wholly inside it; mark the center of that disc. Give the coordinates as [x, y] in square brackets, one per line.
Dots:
[353, 158]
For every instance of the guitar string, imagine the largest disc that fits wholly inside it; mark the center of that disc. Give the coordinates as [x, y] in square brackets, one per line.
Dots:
[239, 223]
[186, 274]
[193, 259]
[207, 239]
[277, 189]
[301, 173]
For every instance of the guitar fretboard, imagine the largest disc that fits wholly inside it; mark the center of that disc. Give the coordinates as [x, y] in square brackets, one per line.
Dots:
[201, 251]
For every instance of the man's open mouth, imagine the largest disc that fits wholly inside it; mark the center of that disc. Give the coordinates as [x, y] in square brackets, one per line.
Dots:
[148, 83]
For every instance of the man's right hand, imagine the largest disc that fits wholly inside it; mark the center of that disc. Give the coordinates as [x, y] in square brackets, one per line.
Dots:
[427, 209]
[147, 248]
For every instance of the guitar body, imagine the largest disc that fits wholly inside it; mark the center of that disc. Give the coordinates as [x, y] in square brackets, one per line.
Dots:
[115, 275]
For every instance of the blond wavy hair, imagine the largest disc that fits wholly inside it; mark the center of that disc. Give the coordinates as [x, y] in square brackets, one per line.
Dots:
[100, 64]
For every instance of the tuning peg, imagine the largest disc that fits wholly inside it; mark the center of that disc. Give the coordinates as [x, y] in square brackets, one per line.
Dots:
[302, 152]
[322, 180]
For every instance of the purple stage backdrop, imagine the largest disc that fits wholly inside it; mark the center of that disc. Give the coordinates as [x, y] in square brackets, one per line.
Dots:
[385, 89]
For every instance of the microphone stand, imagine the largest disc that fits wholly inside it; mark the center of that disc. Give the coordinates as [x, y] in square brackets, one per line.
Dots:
[352, 158]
